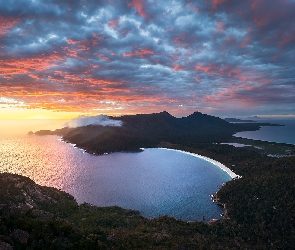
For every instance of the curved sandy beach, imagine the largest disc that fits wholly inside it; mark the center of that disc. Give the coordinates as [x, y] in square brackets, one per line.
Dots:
[216, 163]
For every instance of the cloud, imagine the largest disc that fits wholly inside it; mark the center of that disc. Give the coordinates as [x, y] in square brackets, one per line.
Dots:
[6, 23]
[139, 6]
[101, 120]
[135, 55]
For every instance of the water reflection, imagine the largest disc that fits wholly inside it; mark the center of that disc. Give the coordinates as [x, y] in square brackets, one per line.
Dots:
[156, 181]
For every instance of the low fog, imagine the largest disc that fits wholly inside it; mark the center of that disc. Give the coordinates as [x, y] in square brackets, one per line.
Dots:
[102, 120]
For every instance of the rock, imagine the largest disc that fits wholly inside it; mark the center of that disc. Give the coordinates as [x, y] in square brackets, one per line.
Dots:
[20, 236]
[5, 246]
[42, 215]
[25, 208]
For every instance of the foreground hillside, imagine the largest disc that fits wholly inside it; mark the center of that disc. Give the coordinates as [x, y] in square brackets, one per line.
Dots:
[259, 206]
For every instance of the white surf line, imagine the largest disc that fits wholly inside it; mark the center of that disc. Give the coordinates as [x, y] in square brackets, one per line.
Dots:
[216, 163]
[71, 144]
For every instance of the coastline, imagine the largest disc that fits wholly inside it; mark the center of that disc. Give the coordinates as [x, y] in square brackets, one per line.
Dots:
[214, 162]
[232, 174]
[218, 164]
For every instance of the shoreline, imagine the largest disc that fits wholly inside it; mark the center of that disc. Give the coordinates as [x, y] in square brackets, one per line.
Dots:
[232, 174]
[214, 162]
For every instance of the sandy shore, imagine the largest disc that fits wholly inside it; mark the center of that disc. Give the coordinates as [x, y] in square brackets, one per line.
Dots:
[216, 163]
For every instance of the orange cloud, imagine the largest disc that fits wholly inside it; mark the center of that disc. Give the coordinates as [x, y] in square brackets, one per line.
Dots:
[15, 66]
[34, 76]
[103, 57]
[177, 67]
[210, 69]
[6, 23]
[220, 26]
[226, 71]
[260, 21]
[287, 39]
[181, 41]
[83, 45]
[231, 92]
[76, 47]
[194, 8]
[254, 6]
[263, 14]
[114, 23]
[139, 6]
[140, 53]
[230, 72]
[93, 81]
[216, 3]
[70, 41]
[93, 94]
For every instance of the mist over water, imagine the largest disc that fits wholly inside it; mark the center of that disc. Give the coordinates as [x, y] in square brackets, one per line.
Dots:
[155, 182]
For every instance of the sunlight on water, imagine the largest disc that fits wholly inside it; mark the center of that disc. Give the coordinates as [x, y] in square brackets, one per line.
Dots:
[48, 162]
[155, 182]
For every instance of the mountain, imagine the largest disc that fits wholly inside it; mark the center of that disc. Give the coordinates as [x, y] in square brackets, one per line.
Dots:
[150, 130]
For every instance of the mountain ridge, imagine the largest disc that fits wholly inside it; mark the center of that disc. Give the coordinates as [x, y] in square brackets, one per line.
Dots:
[150, 130]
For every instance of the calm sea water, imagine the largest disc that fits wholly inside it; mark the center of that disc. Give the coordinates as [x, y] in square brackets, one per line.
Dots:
[155, 182]
[280, 134]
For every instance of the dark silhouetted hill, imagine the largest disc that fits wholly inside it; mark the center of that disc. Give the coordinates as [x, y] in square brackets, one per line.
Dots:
[150, 130]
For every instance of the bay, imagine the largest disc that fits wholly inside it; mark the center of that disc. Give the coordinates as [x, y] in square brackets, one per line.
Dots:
[156, 181]
[279, 134]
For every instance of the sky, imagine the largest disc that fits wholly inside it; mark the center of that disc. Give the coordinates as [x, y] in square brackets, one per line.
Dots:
[62, 59]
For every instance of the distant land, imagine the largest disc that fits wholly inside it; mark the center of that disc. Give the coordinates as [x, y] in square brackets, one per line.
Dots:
[151, 130]
[237, 120]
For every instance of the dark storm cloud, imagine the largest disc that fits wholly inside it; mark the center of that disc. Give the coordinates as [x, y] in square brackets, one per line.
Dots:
[208, 55]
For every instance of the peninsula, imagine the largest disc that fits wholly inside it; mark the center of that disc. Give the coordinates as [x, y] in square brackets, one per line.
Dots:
[151, 130]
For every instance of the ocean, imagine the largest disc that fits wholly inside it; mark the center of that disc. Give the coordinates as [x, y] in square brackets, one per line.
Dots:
[279, 134]
[156, 181]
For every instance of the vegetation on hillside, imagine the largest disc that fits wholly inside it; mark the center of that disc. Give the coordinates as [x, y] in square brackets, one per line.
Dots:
[149, 130]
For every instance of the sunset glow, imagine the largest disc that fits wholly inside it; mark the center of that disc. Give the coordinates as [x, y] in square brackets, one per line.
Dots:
[62, 59]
